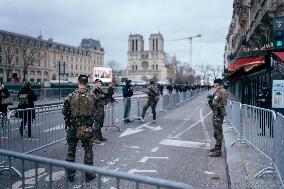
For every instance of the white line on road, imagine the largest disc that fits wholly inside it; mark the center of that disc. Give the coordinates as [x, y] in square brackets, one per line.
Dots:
[132, 171]
[133, 147]
[155, 149]
[145, 125]
[130, 131]
[204, 127]
[186, 119]
[106, 179]
[188, 144]
[209, 173]
[58, 127]
[144, 159]
[191, 126]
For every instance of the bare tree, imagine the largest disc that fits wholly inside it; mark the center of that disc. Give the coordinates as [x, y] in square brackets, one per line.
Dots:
[29, 55]
[9, 53]
[204, 69]
[185, 73]
[114, 65]
[216, 71]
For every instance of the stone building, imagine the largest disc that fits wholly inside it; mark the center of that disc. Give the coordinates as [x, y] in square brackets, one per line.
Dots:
[250, 59]
[42, 62]
[148, 64]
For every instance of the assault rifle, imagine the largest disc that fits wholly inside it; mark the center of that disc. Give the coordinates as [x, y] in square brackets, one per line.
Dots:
[210, 99]
[107, 96]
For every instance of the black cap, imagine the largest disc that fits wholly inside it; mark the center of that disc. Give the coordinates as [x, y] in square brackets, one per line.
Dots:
[98, 80]
[218, 81]
[152, 82]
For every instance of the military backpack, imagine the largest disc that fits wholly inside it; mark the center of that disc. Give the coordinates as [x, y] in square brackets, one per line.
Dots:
[82, 104]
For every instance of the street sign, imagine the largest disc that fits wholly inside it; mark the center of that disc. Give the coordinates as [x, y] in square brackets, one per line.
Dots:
[278, 23]
[278, 32]
[62, 67]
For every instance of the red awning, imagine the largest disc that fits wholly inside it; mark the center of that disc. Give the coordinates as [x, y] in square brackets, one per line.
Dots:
[279, 55]
[247, 63]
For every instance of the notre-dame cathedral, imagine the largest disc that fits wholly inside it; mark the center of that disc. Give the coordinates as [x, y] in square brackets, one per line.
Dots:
[149, 64]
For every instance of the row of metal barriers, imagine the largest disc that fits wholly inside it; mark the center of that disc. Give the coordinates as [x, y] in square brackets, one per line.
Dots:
[262, 129]
[47, 128]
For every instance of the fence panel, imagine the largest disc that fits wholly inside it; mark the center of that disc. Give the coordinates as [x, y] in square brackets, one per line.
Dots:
[56, 176]
[278, 145]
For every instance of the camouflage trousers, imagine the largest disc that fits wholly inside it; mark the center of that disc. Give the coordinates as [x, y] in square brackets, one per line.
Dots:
[72, 141]
[99, 123]
[153, 105]
[218, 131]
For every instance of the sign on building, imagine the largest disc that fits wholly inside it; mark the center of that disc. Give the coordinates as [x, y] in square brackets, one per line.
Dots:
[102, 73]
[278, 32]
[278, 94]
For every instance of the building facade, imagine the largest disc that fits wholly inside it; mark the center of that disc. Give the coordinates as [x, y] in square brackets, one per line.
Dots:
[38, 59]
[250, 59]
[148, 64]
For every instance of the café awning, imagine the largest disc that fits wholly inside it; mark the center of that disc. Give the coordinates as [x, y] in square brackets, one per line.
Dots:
[247, 63]
[279, 55]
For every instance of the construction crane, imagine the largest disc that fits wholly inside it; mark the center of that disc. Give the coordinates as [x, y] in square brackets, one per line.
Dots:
[190, 45]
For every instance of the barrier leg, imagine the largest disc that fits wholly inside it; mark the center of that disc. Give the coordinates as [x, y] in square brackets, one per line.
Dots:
[3, 168]
[268, 170]
[112, 119]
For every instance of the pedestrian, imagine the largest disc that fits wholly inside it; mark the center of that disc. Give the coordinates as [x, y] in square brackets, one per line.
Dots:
[153, 98]
[110, 90]
[127, 92]
[217, 102]
[101, 101]
[4, 99]
[26, 100]
[78, 111]
[161, 88]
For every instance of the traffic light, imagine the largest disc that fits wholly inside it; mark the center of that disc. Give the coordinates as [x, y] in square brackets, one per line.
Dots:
[278, 32]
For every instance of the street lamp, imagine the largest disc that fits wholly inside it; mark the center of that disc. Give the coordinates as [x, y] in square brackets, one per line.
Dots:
[190, 45]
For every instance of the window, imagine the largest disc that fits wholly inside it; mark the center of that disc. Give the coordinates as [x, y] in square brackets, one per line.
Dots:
[80, 67]
[38, 80]
[45, 73]
[17, 60]
[156, 66]
[54, 64]
[45, 63]
[71, 66]
[136, 67]
[0, 59]
[38, 72]
[0, 48]
[1, 71]
[153, 66]
[32, 72]
[71, 59]
[132, 68]
[76, 67]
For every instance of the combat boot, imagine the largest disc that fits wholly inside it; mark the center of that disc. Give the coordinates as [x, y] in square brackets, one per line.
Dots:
[212, 150]
[215, 153]
[96, 141]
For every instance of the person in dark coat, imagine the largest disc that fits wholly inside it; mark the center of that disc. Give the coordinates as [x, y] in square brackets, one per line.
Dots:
[127, 92]
[27, 98]
[4, 93]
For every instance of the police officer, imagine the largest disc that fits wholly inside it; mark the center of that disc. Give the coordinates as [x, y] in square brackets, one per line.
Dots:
[101, 101]
[218, 103]
[78, 111]
[153, 98]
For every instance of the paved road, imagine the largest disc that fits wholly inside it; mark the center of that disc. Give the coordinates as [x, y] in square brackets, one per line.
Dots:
[175, 148]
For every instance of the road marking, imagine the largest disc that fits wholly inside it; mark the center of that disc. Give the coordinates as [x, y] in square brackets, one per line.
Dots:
[31, 139]
[182, 143]
[144, 159]
[130, 131]
[132, 171]
[204, 127]
[191, 126]
[209, 172]
[155, 149]
[133, 147]
[106, 179]
[58, 127]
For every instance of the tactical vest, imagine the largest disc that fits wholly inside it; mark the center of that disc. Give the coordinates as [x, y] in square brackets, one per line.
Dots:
[223, 102]
[82, 104]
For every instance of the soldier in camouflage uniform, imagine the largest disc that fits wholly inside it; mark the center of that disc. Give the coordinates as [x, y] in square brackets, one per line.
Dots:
[78, 111]
[217, 102]
[101, 101]
[153, 98]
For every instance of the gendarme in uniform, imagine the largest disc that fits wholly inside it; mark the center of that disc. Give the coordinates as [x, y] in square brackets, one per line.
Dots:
[218, 104]
[78, 111]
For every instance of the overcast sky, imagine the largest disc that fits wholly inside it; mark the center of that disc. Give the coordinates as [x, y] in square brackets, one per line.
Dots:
[111, 21]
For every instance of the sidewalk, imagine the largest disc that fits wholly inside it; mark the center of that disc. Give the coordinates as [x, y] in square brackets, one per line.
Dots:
[244, 162]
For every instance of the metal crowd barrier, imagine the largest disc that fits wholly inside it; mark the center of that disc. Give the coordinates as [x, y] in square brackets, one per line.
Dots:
[118, 179]
[263, 130]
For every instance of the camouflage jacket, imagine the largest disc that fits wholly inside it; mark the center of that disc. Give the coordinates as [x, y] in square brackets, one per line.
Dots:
[67, 111]
[153, 93]
[101, 101]
[219, 102]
